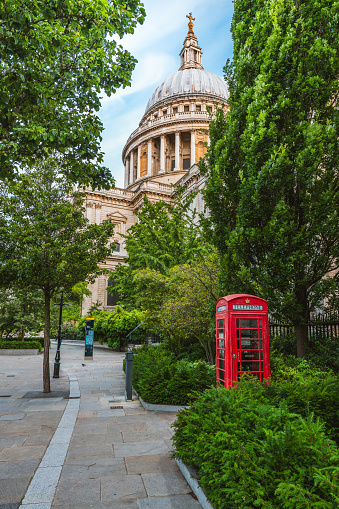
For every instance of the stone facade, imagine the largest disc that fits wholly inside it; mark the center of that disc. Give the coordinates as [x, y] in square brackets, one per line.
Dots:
[164, 150]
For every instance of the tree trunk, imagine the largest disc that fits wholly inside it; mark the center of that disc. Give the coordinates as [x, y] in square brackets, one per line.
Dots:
[22, 334]
[45, 371]
[301, 333]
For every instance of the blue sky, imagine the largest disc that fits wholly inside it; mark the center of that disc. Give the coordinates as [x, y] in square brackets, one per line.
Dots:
[156, 45]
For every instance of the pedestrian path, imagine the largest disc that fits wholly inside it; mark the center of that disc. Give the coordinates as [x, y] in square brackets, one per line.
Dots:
[118, 454]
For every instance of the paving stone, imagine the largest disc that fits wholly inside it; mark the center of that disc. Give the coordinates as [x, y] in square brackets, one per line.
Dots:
[122, 486]
[11, 506]
[13, 441]
[12, 417]
[42, 487]
[62, 436]
[121, 504]
[93, 468]
[22, 453]
[80, 490]
[150, 464]
[170, 483]
[14, 469]
[55, 455]
[140, 449]
[39, 440]
[146, 436]
[174, 502]
[89, 429]
[96, 439]
[12, 490]
[90, 452]
[36, 506]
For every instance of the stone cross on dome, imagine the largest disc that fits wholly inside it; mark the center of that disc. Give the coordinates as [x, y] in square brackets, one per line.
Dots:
[191, 52]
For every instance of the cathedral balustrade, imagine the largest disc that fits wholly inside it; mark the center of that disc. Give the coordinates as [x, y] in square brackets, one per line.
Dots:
[168, 119]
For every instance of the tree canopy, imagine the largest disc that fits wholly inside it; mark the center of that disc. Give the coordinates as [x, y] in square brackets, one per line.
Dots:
[165, 235]
[57, 57]
[273, 162]
[46, 241]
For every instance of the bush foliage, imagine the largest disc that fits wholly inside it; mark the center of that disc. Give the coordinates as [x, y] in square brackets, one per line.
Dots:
[252, 449]
[113, 327]
[161, 379]
[17, 345]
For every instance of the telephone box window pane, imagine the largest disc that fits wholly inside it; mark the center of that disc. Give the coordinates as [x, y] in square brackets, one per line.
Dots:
[250, 355]
[237, 333]
[220, 324]
[260, 334]
[221, 375]
[238, 345]
[260, 345]
[262, 366]
[261, 355]
[249, 333]
[249, 323]
[221, 354]
[260, 324]
[220, 333]
[221, 343]
[250, 366]
[250, 345]
[237, 322]
[221, 364]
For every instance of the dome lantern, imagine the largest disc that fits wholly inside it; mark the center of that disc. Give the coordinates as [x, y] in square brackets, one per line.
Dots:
[191, 52]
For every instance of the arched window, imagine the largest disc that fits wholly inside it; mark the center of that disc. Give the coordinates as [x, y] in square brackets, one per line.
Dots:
[117, 247]
[112, 296]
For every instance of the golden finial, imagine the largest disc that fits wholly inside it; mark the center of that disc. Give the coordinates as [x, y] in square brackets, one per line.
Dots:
[190, 24]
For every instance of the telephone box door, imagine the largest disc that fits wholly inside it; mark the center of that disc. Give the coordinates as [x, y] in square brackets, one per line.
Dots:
[248, 346]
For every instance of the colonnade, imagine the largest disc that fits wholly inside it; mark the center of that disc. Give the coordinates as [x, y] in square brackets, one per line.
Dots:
[130, 159]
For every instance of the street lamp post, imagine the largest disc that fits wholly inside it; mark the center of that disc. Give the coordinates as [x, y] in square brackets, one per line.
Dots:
[57, 355]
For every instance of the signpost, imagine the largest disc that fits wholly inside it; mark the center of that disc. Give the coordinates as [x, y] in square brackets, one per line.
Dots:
[89, 339]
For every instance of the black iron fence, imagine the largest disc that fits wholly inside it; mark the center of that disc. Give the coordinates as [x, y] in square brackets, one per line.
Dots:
[321, 326]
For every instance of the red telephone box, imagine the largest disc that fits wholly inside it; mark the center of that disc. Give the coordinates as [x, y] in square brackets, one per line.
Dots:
[242, 339]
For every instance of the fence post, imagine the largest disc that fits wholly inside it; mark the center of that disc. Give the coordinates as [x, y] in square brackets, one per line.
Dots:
[129, 374]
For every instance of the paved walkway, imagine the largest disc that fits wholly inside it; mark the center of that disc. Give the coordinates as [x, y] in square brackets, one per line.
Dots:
[105, 453]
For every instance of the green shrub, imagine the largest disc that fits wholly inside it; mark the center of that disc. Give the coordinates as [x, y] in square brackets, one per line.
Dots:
[16, 345]
[28, 339]
[249, 453]
[112, 327]
[160, 379]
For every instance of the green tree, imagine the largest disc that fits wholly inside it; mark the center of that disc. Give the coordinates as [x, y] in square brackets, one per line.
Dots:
[47, 242]
[20, 311]
[181, 304]
[165, 235]
[272, 165]
[56, 58]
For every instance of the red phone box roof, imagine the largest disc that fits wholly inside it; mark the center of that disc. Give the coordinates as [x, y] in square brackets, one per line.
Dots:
[241, 302]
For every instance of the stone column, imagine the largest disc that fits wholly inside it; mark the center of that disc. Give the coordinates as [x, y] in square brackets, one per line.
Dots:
[97, 212]
[89, 211]
[131, 168]
[126, 172]
[192, 148]
[149, 158]
[177, 151]
[208, 140]
[162, 154]
[138, 162]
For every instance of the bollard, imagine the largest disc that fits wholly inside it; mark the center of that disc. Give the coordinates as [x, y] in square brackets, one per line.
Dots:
[129, 373]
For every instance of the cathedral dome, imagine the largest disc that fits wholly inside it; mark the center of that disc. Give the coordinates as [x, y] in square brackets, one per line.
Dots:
[189, 81]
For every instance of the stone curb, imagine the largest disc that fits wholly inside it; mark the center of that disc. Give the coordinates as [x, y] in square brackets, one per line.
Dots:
[19, 351]
[41, 491]
[192, 481]
[161, 408]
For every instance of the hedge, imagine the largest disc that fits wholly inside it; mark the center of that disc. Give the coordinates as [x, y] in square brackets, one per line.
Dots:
[21, 345]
